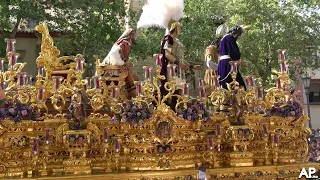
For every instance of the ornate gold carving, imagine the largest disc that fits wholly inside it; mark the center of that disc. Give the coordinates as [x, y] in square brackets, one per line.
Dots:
[162, 142]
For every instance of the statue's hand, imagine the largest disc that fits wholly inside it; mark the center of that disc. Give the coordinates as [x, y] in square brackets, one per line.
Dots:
[183, 66]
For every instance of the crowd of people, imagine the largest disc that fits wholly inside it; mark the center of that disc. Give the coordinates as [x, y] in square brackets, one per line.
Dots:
[314, 146]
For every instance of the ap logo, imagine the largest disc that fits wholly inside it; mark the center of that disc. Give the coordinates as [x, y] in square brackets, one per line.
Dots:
[308, 174]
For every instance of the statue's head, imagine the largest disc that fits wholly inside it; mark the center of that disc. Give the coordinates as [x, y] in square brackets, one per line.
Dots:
[236, 31]
[175, 28]
[129, 35]
[222, 30]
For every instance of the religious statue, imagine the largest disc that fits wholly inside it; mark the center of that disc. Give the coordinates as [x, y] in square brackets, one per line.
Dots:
[164, 130]
[229, 51]
[77, 109]
[166, 14]
[171, 52]
[212, 54]
[119, 56]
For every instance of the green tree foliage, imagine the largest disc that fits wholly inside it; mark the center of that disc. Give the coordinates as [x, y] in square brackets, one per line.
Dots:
[285, 24]
[87, 27]
[197, 32]
[199, 26]
[275, 24]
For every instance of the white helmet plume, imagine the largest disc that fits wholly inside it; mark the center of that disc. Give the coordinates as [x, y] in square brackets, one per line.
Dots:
[158, 13]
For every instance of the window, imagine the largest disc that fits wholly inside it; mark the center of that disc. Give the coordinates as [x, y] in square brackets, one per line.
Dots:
[314, 97]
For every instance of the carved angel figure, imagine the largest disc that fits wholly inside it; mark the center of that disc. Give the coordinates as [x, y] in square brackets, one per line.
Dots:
[77, 109]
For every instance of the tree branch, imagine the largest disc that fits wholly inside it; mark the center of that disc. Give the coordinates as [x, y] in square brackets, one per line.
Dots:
[16, 26]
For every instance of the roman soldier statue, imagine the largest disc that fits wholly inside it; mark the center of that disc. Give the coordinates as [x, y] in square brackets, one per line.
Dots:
[166, 14]
[172, 53]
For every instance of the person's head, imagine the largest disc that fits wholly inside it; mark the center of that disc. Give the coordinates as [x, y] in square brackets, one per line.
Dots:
[175, 29]
[129, 35]
[236, 31]
[220, 32]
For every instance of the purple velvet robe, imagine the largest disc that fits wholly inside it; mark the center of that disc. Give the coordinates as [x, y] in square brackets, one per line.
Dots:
[228, 46]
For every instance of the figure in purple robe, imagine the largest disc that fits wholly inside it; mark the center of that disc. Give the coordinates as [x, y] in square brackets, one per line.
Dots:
[229, 51]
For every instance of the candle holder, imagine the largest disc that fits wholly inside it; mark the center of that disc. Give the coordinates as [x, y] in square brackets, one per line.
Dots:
[185, 90]
[138, 85]
[259, 93]
[234, 66]
[29, 80]
[79, 63]
[114, 92]
[249, 81]
[21, 79]
[22, 91]
[282, 61]
[40, 78]
[279, 85]
[40, 102]
[277, 95]
[45, 156]
[58, 101]
[217, 142]
[215, 82]
[9, 76]
[219, 97]
[202, 94]
[234, 85]
[211, 152]
[266, 142]
[10, 45]
[172, 70]
[97, 99]
[147, 72]
[12, 57]
[107, 156]
[35, 156]
[116, 143]
[89, 83]
[275, 147]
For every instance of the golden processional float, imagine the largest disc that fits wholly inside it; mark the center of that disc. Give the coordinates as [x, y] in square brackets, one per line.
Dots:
[61, 127]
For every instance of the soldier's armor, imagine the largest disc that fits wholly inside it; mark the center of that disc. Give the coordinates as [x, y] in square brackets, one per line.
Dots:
[178, 52]
[212, 52]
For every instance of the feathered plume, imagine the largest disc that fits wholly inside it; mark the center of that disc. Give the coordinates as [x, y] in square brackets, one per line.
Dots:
[158, 13]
